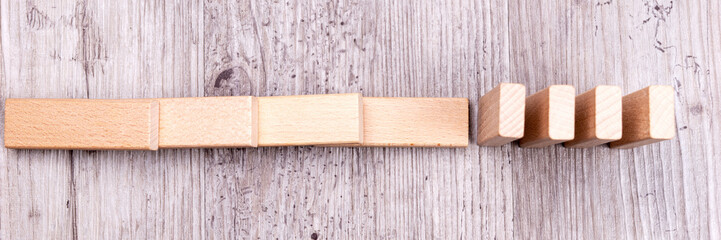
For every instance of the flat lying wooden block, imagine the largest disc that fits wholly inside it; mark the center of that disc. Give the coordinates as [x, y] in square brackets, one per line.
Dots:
[208, 122]
[598, 117]
[310, 120]
[415, 122]
[549, 117]
[81, 124]
[648, 117]
[501, 115]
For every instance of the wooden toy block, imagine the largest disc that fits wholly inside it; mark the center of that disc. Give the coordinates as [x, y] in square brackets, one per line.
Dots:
[598, 117]
[501, 115]
[648, 117]
[414, 122]
[310, 120]
[81, 124]
[549, 117]
[208, 122]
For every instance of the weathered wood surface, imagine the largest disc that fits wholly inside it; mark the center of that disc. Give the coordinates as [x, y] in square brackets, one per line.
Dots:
[78, 49]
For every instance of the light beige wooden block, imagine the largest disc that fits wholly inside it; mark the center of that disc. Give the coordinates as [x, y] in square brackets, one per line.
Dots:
[549, 117]
[208, 122]
[81, 124]
[310, 120]
[501, 114]
[598, 117]
[415, 122]
[648, 117]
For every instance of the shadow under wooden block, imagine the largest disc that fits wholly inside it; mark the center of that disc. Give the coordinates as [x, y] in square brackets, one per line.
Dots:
[310, 120]
[598, 117]
[208, 122]
[648, 117]
[89, 124]
[501, 114]
[549, 117]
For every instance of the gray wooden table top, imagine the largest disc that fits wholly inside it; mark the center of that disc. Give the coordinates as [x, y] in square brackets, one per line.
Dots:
[459, 48]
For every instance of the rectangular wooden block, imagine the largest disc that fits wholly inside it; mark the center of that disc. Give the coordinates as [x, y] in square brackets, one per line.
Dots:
[549, 117]
[598, 117]
[81, 124]
[501, 115]
[648, 117]
[208, 122]
[415, 122]
[310, 120]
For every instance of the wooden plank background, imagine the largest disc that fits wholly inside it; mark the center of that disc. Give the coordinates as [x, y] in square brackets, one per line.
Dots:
[456, 48]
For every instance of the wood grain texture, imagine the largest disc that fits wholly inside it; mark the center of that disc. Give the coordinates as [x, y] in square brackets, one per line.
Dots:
[291, 48]
[660, 191]
[107, 50]
[81, 124]
[501, 115]
[598, 117]
[414, 122]
[461, 48]
[310, 120]
[208, 122]
[549, 117]
[648, 117]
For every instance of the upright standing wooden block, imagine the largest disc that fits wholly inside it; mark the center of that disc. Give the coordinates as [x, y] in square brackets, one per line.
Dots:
[208, 122]
[598, 117]
[81, 124]
[415, 122]
[648, 117]
[549, 117]
[310, 120]
[501, 115]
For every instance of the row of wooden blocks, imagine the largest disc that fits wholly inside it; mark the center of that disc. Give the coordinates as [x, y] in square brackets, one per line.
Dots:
[211, 122]
[556, 115]
[551, 116]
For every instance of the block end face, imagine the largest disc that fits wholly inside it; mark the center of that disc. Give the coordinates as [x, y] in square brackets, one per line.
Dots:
[512, 109]
[607, 88]
[512, 87]
[608, 120]
[513, 128]
[662, 117]
[562, 113]
[665, 134]
[562, 89]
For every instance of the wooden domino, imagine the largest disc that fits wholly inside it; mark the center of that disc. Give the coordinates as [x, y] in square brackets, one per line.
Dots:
[648, 117]
[310, 120]
[549, 117]
[501, 115]
[81, 124]
[414, 122]
[598, 117]
[208, 122]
